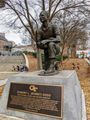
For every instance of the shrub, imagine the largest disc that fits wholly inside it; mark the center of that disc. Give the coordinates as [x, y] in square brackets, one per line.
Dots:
[60, 58]
[34, 54]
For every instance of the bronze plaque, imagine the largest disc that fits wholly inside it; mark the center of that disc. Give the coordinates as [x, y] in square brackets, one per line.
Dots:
[40, 99]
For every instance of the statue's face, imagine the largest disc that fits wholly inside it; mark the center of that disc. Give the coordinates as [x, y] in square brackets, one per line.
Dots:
[43, 17]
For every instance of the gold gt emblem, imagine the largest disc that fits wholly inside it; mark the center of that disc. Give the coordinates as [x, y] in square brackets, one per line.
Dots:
[33, 88]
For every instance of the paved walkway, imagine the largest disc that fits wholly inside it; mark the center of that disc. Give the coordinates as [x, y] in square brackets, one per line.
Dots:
[5, 117]
[4, 75]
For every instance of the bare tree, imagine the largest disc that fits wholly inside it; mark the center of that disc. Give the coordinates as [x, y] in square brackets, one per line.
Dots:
[72, 31]
[26, 11]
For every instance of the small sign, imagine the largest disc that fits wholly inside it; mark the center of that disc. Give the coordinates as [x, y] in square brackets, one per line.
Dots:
[33, 98]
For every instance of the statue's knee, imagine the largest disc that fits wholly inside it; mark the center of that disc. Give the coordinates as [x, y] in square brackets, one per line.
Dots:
[51, 44]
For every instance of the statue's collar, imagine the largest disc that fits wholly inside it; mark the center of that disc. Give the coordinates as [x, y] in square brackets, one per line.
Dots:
[45, 28]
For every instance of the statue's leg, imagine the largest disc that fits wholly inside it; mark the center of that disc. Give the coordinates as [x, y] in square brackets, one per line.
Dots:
[46, 59]
[51, 56]
[52, 50]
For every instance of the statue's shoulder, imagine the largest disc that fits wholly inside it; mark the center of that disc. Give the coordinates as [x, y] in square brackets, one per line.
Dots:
[50, 24]
[53, 25]
[55, 28]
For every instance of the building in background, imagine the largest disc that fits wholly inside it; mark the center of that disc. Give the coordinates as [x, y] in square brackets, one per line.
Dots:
[23, 48]
[2, 3]
[5, 45]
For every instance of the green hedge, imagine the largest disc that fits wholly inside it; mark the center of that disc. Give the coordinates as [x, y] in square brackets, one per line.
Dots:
[30, 53]
[60, 58]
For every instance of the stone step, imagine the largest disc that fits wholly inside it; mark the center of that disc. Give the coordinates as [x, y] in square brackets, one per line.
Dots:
[11, 59]
[7, 62]
[7, 67]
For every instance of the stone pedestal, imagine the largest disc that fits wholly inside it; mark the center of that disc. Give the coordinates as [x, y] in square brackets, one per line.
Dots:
[72, 100]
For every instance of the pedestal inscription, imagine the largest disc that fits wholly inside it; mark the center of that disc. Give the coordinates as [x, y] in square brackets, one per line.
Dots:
[40, 99]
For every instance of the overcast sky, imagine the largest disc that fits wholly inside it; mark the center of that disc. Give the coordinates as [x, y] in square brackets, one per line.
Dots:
[11, 35]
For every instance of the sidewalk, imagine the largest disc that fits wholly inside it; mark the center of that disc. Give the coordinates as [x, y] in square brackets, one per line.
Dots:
[4, 75]
[5, 117]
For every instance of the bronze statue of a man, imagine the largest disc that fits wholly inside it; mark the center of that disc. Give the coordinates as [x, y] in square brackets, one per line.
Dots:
[47, 39]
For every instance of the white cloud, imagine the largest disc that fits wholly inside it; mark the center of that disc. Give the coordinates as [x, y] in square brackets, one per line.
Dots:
[13, 37]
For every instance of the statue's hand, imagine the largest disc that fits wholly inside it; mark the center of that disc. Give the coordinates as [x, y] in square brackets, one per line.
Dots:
[43, 42]
[38, 43]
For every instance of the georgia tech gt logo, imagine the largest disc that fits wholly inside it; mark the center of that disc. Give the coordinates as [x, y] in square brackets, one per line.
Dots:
[33, 88]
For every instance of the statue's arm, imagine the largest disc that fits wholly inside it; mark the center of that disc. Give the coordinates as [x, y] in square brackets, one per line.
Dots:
[51, 39]
[38, 37]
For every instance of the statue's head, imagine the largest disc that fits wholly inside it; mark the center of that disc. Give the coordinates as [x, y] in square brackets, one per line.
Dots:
[43, 16]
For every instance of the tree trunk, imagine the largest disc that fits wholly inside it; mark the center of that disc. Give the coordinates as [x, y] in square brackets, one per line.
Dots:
[62, 50]
[69, 52]
[73, 52]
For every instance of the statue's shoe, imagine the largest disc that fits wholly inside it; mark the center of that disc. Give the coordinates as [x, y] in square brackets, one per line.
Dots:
[48, 73]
